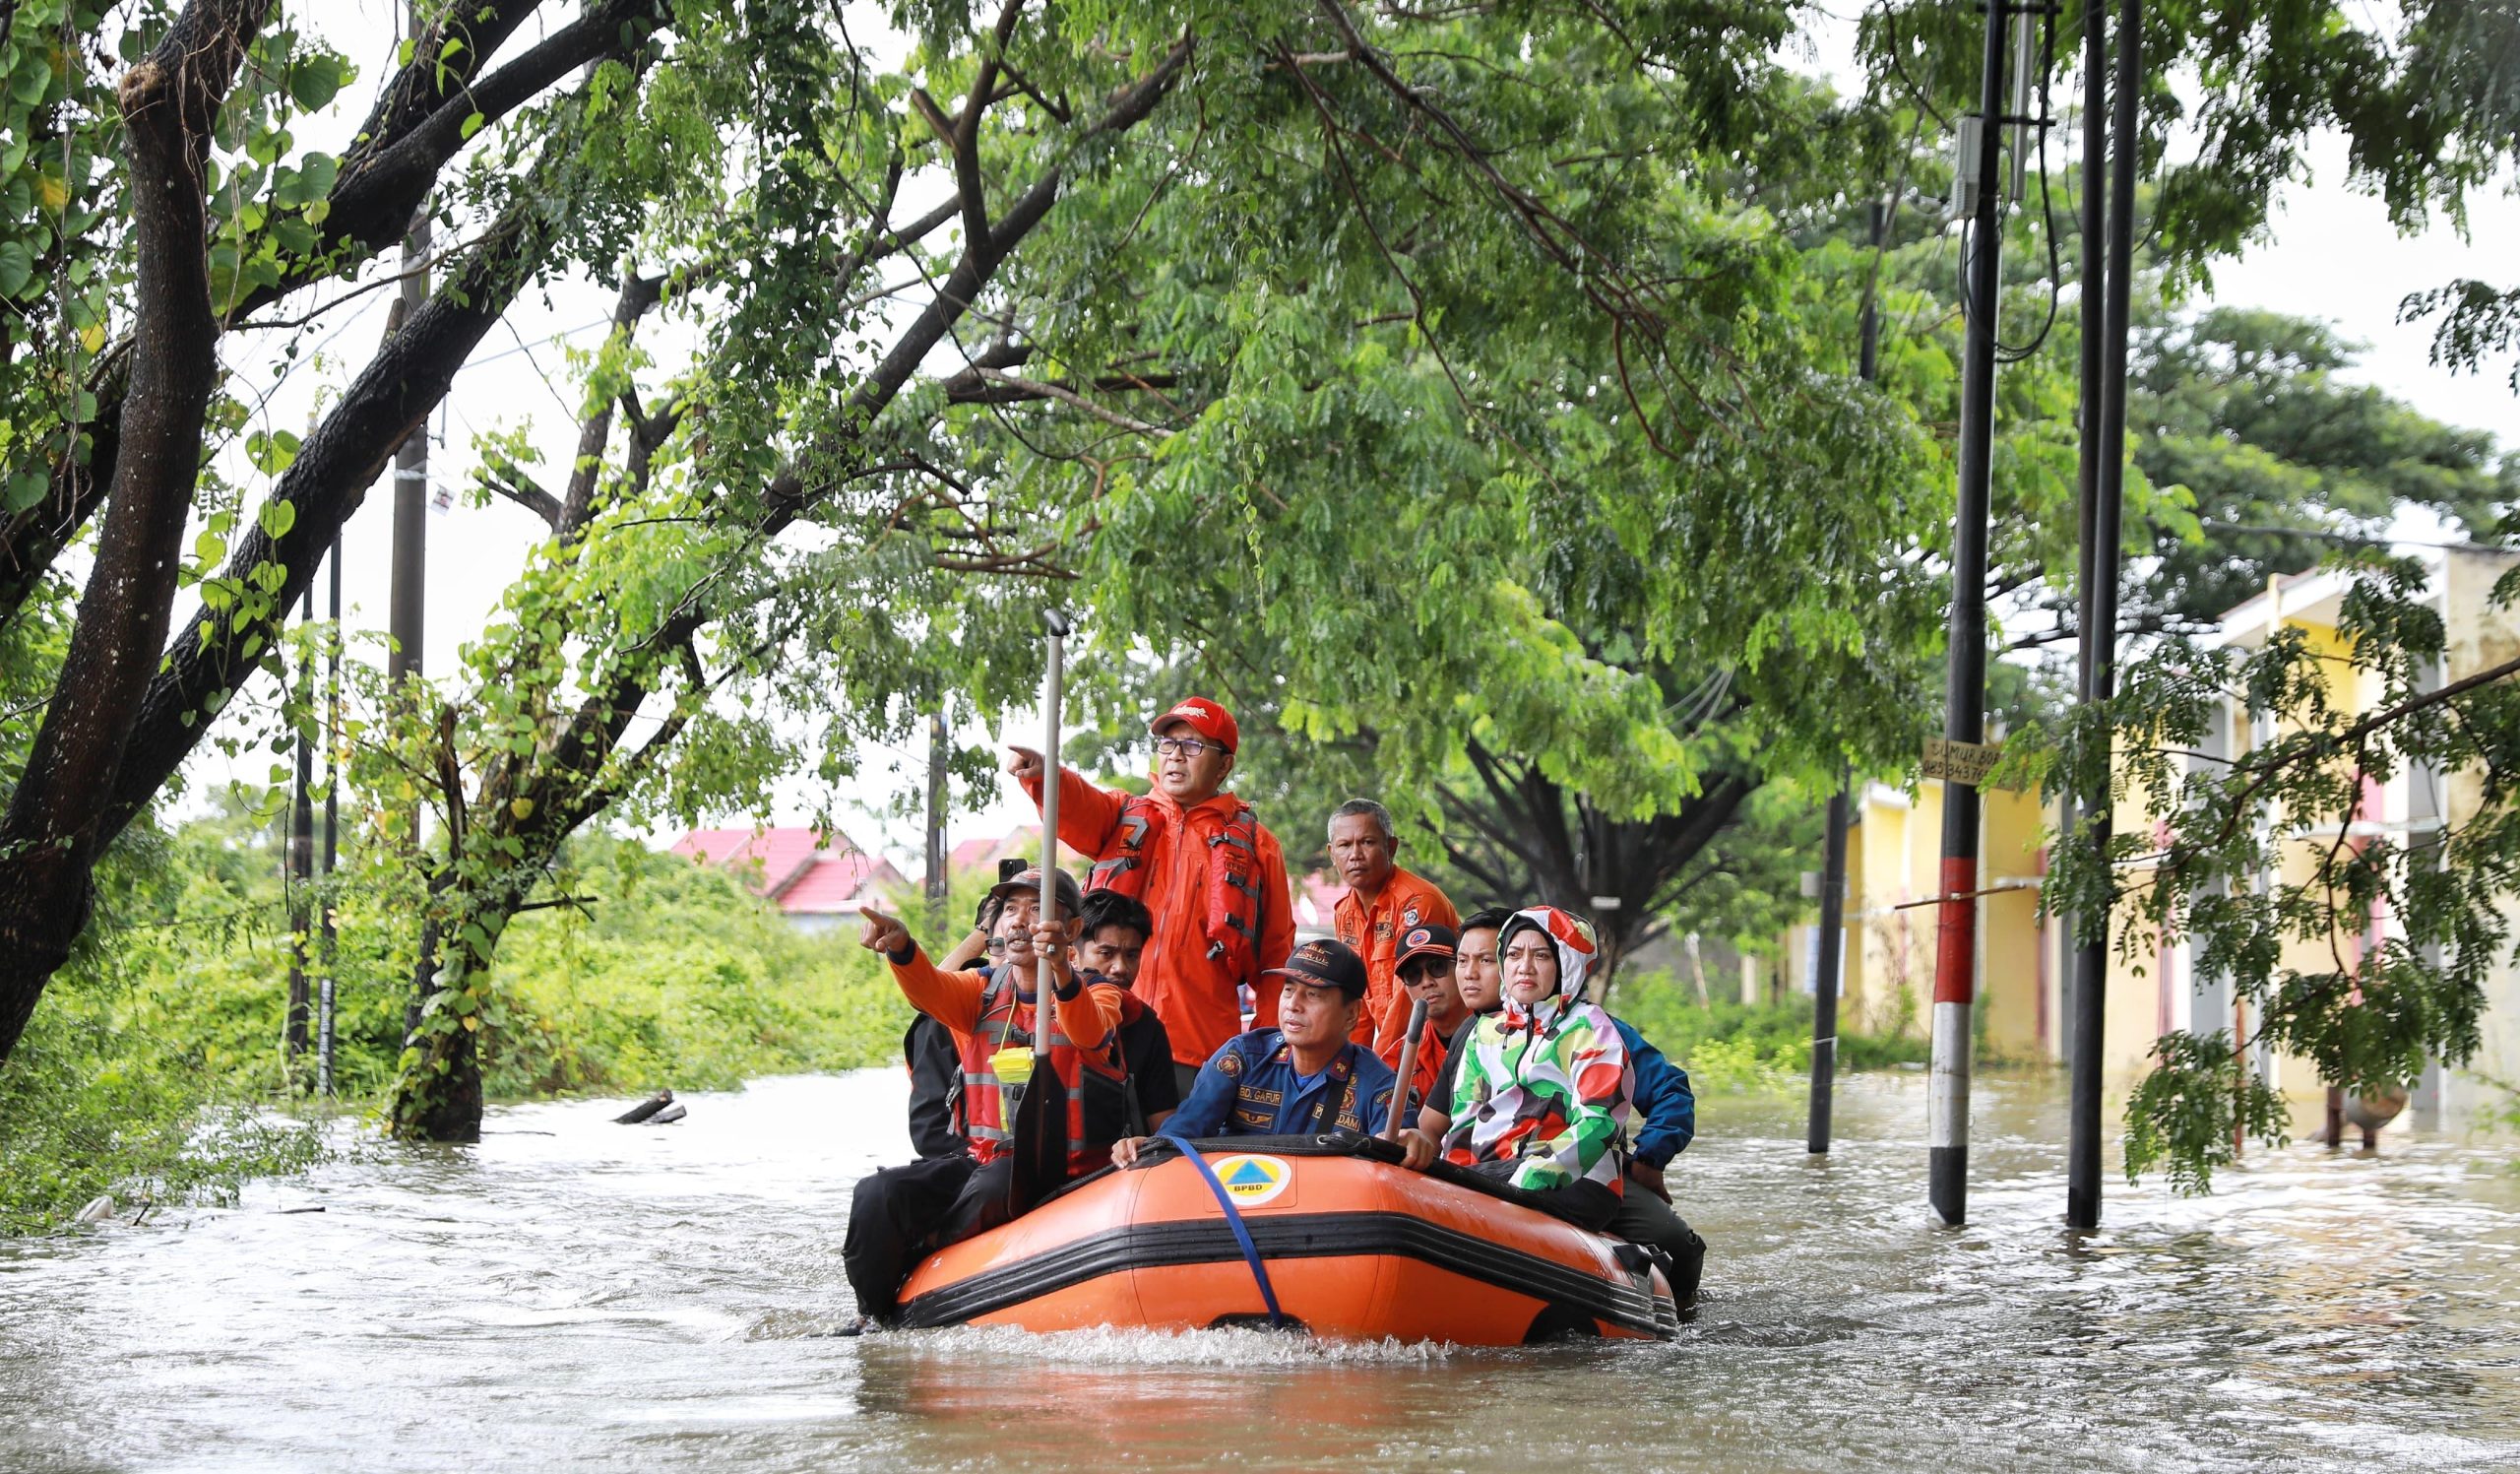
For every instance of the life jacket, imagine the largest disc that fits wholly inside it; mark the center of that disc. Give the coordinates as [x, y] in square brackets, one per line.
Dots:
[1097, 1084]
[1232, 919]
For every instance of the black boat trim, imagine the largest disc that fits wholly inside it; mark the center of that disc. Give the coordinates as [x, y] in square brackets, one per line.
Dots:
[1294, 1235]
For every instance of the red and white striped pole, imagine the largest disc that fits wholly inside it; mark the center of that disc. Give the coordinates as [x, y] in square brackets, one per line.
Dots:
[1955, 969]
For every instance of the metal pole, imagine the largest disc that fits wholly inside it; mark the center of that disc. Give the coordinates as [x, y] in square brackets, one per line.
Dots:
[2093, 231]
[1045, 989]
[936, 878]
[408, 599]
[1955, 980]
[332, 831]
[2082, 1146]
[2108, 456]
[301, 863]
[1824, 993]
[1833, 858]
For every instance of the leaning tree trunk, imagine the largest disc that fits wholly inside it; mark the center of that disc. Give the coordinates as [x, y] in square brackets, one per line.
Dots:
[58, 820]
[438, 1095]
[125, 715]
[1542, 840]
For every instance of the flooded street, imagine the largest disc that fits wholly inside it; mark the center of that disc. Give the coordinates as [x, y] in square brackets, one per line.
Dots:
[576, 1295]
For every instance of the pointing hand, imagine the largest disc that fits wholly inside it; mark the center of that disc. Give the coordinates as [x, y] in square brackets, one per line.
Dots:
[882, 933]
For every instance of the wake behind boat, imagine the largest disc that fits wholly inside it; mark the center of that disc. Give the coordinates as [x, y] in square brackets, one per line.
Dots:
[1347, 1244]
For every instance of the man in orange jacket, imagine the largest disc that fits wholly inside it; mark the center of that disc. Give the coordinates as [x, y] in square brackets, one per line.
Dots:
[898, 1214]
[1199, 859]
[1382, 901]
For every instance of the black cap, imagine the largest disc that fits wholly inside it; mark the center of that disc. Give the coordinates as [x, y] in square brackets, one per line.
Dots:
[1071, 895]
[1325, 962]
[1426, 941]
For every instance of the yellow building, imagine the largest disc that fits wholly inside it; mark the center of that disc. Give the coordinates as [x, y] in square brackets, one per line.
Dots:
[1894, 852]
[2168, 990]
[2024, 963]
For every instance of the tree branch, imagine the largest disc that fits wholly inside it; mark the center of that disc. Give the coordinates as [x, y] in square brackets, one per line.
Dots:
[638, 294]
[56, 822]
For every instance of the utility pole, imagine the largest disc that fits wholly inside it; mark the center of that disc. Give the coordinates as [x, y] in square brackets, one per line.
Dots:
[936, 877]
[2105, 477]
[1824, 989]
[1833, 858]
[324, 999]
[302, 858]
[1955, 973]
[407, 601]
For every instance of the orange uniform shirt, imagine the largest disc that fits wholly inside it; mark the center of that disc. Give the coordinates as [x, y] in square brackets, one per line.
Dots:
[1373, 930]
[952, 999]
[1198, 998]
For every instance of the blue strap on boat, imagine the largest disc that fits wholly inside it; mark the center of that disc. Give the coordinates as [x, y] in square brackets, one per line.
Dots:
[1241, 1235]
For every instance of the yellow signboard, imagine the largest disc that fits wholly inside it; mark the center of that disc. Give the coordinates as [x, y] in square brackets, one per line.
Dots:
[1961, 762]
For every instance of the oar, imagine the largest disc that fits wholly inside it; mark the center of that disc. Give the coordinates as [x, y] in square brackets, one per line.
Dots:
[1408, 1067]
[1040, 1129]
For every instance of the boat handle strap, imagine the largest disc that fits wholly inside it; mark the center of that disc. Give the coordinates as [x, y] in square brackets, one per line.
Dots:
[1241, 1235]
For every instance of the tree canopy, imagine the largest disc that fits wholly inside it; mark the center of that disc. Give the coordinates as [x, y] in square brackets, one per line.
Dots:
[1468, 392]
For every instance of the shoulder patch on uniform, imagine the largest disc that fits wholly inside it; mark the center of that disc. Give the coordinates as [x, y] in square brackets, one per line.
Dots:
[1232, 1063]
[1409, 918]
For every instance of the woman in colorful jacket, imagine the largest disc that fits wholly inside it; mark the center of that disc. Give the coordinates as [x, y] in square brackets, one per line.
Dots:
[1544, 1087]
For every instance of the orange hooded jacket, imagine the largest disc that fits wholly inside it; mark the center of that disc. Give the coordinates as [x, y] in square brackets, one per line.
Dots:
[1197, 998]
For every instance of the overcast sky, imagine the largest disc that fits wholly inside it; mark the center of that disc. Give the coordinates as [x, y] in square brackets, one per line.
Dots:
[2332, 256]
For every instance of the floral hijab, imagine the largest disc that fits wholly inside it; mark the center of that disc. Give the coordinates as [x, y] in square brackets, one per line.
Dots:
[1547, 1088]
[1577, 951]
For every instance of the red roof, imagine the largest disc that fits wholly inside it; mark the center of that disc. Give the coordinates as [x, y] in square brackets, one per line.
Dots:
[1322, 894]
[972, 853]
[806, 871]
[838, 882]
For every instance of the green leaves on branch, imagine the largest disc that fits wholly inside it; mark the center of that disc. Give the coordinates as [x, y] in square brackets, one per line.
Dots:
[2193, 1107]
[2244, 779]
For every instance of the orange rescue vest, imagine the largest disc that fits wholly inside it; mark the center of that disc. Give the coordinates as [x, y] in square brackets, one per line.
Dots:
[1097, 1084]
[1232, 922]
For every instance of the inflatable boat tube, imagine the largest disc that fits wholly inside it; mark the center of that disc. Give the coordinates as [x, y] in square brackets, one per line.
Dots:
[1356, 1247]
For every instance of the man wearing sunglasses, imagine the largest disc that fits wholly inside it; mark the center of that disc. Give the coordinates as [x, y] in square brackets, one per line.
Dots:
[1204, 866]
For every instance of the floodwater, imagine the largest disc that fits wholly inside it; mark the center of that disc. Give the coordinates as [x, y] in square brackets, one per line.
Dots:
[576, 1295]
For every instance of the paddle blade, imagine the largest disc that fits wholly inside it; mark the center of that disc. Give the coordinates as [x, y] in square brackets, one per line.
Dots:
[1039, 1145]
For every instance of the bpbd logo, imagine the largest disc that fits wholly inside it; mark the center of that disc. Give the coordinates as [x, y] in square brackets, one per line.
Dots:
[1253, 1180]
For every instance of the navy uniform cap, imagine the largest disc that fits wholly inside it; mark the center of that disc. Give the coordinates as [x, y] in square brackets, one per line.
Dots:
[1326, 963]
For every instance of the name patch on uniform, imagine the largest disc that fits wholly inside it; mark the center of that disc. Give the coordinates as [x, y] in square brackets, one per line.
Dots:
[1253, 1180]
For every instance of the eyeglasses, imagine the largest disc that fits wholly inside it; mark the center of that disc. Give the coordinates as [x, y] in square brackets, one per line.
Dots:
[1183, 746]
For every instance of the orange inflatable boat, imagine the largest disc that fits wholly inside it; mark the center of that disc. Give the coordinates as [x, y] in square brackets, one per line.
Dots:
[1350, 1245]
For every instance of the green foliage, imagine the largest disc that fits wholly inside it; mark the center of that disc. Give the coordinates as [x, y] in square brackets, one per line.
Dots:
[60, 180]
[2192, 1108]
[2259, 864]
[151, 1072]
[2242, 409]
[89, 1106]
[675, 975]
[1729, 1047]
[2422, 93]
[156, 1068]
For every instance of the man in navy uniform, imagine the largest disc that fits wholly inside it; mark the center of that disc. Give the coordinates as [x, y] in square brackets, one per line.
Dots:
[1303, 1077]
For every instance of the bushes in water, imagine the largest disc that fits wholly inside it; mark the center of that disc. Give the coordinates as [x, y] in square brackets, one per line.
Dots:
[127, 1079]
[155, 1065]
[677, 976]
[1728, 1045]
[87, 1109]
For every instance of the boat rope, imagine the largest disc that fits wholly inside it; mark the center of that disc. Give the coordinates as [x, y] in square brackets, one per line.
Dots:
[1241, 1235]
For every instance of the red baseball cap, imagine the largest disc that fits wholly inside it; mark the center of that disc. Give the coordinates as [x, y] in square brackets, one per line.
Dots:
[1203, 717]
